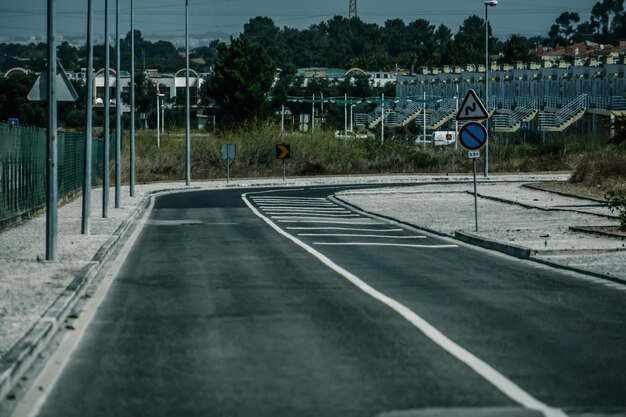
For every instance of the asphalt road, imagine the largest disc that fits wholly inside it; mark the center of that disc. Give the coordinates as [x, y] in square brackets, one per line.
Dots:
[284, 303]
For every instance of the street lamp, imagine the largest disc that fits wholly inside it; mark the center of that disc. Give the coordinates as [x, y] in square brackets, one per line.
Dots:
[488, 3]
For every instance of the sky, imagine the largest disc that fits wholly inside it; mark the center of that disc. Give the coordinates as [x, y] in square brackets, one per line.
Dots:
[25, 20]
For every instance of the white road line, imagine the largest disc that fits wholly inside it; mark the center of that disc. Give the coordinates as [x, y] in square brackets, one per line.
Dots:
[400, 245]
[498, 380]
[346, 229]
[305, 210]
[359, 235]
[315, 216]
[290, 198]
[284, 204]
[330, 221]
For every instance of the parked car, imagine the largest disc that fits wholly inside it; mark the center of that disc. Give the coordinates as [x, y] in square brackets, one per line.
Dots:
[351, 134]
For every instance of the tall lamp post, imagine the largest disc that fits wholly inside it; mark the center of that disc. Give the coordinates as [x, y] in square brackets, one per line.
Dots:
[488, 4]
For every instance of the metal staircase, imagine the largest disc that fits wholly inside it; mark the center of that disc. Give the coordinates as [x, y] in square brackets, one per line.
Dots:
[403, 114]
[445, 112]
[565, 117]
[526, 109]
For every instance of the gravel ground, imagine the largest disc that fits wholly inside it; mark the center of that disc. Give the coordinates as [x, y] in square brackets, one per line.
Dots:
[28, 285]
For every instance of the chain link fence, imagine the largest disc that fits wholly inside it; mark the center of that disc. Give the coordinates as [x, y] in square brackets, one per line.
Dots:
[23, 168]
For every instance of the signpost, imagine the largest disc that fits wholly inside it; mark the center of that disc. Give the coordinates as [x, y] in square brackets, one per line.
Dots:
[229, 151]
[473, 136]
[283, 152]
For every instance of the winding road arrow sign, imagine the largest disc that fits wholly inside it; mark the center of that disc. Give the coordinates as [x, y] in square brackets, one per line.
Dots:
[283, 151]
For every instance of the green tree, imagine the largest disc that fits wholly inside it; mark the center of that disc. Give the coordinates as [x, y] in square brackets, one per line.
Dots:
[469, 42]
[13, 101]
[242, 79]
[516, 48]
[563, 31]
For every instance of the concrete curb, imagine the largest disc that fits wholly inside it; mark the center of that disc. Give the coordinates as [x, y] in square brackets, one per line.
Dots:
[20, 358]
[472, 239]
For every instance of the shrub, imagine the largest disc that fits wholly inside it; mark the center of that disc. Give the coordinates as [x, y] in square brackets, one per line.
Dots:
[616, 202]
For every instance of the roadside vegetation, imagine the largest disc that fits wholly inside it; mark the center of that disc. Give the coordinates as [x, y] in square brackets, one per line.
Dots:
[321, 153]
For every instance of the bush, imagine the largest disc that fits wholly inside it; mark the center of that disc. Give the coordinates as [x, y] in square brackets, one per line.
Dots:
[616, 202]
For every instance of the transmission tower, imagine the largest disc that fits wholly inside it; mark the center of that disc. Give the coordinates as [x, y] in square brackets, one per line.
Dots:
[352, 9]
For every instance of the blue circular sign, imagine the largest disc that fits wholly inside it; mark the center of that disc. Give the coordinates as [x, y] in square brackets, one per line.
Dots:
[473, 136]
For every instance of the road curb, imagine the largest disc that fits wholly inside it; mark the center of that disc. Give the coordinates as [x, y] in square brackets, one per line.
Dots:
[22, 355]
[515, 251]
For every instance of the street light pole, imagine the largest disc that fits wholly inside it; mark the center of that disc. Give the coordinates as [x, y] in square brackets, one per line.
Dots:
[488, 3]
[118, 111]
[107, 122]
[52, 189]
[88, 124]
[351, 118]
[187, 110]
[132, 100]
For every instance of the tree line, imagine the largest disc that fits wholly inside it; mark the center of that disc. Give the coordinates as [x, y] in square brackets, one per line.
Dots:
[240, 85]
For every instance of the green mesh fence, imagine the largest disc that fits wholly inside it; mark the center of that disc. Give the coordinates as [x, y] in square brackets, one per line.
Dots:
[23, 167]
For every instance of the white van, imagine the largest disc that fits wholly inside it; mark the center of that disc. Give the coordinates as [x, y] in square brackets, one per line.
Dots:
[444, 137]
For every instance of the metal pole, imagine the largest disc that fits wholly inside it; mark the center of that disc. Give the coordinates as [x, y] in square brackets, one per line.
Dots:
[456, 123]
[284, 170]
[282, 120]
[486, 164]
[88, 124]
[118, 110]
[52, 149]
[163, 117]
[313, 114]
[107, 122]
[382, 121]
[475, 195]
[424, 123]
[158, 112]
[132, 99]
[351, 118]
[187, 110]
[345, 116]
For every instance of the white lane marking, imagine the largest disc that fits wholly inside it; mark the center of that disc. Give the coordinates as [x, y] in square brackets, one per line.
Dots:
[359, 235]
[346, 229]
[330, 209]
[400, 245]
[330, 221]
[316, 216]
[505, 385]
[286, 204]
[277, 197]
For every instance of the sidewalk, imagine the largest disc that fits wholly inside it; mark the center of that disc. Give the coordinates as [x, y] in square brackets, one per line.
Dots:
[513, 219]
[36, 296]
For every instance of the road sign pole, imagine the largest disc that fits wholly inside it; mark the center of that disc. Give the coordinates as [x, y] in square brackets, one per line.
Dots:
[475, 195]
[227, 170]
[132, 100]
[284, 170]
